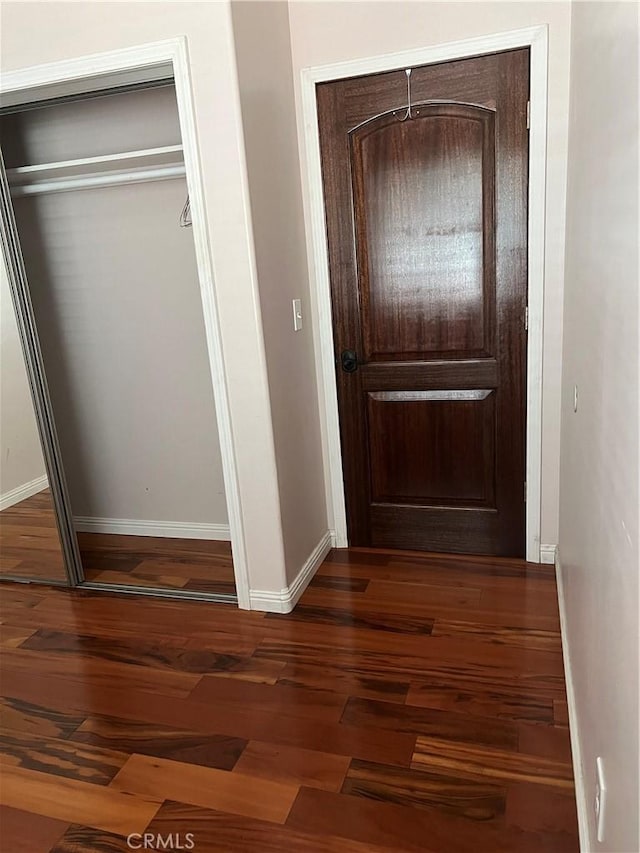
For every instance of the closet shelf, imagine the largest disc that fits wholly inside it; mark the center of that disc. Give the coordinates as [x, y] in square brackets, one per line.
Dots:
[129, 167]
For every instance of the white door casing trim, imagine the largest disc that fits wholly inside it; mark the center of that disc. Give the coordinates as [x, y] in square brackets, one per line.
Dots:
[548, 554]
[535, 38]
[140, 64]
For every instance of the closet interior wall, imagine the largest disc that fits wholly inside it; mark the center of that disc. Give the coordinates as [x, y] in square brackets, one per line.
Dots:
[115, 292]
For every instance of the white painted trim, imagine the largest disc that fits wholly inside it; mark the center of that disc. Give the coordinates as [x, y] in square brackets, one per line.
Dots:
[89, 73]
[538, 96]
[147, 62]
[574, 731]
[536, 39]
[144, 527]
[320, 289]
[286, 599]
[21, 493]
[548, 554]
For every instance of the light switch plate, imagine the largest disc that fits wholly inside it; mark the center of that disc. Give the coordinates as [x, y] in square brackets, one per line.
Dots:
[297, 315]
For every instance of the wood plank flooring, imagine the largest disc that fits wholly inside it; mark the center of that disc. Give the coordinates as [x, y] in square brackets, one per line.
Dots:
[29, 543]
[195, 565]
[410, 702]
[30, 549]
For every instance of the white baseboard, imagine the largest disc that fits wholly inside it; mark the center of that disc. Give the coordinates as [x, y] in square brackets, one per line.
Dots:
[548, 554]
[165, 529]
[285, 600]
[21, 493]
[574, 730]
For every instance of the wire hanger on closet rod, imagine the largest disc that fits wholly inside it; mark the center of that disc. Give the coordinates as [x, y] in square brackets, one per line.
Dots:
[185, 216]
[409, 109]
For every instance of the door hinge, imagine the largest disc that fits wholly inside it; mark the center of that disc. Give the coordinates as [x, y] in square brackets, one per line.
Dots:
[525, 491]
[526, 318]
[528, 114]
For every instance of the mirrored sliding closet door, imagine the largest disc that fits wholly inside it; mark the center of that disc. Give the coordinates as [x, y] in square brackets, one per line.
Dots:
[30, 546]
[100, 199]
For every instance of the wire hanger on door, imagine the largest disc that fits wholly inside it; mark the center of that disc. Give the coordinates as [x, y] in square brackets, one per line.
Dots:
[409, 109]
[185, 216]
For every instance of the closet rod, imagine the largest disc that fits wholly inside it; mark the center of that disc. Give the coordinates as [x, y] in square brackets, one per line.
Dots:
[104, 170]
[86, 182]
[166, 151]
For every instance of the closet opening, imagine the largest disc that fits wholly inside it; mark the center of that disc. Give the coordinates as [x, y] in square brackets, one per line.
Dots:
[117, 353]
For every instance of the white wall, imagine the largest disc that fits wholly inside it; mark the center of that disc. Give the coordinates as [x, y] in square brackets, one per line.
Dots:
[21, 459]
[599, 471]
[114, 286]
[268, 112]
[327, 32]
[58, 31]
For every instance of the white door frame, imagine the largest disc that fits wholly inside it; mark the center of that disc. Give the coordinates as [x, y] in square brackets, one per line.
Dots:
[140, 64]
[536, 39]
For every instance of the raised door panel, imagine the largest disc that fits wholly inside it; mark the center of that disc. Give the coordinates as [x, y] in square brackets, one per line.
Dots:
[424, 199]
[432, 448]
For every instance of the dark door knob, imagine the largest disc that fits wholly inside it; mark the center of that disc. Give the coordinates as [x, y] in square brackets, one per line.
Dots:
[349, 360]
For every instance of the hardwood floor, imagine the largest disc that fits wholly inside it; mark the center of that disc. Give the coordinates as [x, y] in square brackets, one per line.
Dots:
[409, 703]
[29, 544]
[196, 565]
[30, 549]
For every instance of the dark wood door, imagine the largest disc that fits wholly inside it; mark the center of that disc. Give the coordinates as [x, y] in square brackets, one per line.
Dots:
[427, 230]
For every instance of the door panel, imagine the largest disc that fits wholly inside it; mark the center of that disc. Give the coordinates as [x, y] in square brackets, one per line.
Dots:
[426, 226]
[422, 189]
[442, 447]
